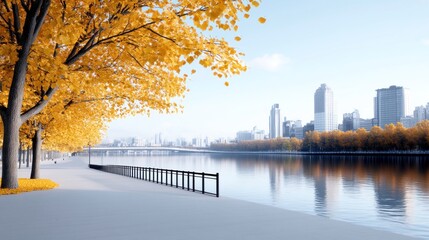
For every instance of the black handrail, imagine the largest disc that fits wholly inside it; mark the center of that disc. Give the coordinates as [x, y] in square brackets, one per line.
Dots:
[164, 176]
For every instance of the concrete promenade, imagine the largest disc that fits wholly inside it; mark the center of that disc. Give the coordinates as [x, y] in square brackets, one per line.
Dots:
[90, 204]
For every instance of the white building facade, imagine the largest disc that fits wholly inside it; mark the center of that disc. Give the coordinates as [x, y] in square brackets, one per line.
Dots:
[325, 117]
[275, 125]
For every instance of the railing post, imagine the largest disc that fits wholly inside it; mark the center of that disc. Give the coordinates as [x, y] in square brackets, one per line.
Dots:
[203, 189]
[217, 184]
[188, 181]
[157, 173]
[183, 180]
[177, 179]
[193, 181]
[171, 178]
[162, 177]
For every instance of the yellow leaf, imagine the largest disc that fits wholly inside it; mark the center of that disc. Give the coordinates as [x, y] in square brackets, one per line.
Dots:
[262, 20]
[237, 38]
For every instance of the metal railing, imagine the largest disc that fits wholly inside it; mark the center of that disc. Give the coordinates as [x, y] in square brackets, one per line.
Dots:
[191, 181]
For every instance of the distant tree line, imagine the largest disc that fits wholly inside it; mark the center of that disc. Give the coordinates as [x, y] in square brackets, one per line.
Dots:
[278, 144]
[391, 138]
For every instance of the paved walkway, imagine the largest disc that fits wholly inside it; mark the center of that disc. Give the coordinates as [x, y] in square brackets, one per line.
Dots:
[95, 205]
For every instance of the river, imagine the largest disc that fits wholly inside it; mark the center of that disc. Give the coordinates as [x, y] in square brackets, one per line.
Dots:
[383, 192]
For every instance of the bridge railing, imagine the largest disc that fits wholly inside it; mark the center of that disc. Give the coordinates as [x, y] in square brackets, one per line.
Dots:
[205, 183]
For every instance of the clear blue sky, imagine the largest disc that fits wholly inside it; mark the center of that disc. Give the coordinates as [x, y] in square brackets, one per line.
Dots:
[355, 47]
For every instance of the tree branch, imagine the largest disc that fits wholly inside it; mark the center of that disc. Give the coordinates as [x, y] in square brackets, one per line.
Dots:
[160, 35]
[25, 5]
[16, 21]
[6, 6]
[41, 17]
[3, 112]
[39, 105]
[76, 55]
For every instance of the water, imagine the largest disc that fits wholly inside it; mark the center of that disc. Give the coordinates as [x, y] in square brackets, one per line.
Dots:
[388, 193]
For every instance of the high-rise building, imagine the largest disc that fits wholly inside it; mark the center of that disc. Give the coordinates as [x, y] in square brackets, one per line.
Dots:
[257, 134]
[292, 129]
[420, 114]
[244, 136]
[408, 121]
[367, 124]
[391, 105]
[275, 125]
[351, 121]
[325, 118]
[308, 127]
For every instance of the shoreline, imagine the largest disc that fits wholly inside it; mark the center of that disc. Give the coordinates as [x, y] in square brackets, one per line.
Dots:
[297, 153]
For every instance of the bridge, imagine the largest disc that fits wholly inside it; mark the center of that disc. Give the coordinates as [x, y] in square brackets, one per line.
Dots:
[143, 150]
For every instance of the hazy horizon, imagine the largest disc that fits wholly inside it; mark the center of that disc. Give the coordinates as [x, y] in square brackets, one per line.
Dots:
[353, 47]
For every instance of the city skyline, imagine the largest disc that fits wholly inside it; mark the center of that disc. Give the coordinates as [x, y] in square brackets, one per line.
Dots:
[324, 101]
[355, 48]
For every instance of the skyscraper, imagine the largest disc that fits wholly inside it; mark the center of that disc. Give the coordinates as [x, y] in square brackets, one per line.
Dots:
[275, 126]
[391, 104]
[325, 118]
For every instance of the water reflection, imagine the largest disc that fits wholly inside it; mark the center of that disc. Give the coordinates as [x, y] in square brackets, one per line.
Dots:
[399, 186]
[390, 193]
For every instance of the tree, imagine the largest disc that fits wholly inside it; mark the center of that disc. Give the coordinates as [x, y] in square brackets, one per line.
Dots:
[131, 51]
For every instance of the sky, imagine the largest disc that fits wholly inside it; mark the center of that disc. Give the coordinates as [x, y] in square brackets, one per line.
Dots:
[355, 47]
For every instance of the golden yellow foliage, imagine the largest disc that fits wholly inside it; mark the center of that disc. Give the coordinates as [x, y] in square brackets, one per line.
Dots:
[128, 51]
[128, 55]
[29, 185]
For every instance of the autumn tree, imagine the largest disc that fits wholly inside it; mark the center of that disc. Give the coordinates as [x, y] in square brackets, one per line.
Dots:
[132, 51]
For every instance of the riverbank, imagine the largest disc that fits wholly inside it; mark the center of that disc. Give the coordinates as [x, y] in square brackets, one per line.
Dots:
[90, 204]
[345, 153]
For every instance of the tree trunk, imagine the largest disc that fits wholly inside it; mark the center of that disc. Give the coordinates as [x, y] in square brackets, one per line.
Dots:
[20, 155]
[10, 151]
[28, 157]
[37, 150]
[11, 116]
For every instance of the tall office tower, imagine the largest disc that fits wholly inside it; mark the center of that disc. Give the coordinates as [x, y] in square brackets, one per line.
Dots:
[325, 118]
[391, 105]
[275, 127]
